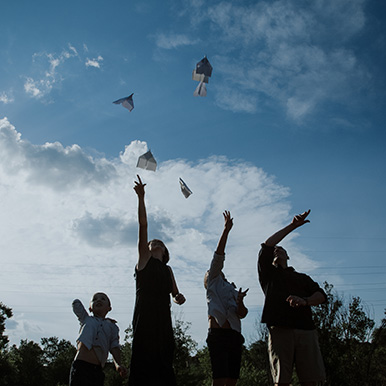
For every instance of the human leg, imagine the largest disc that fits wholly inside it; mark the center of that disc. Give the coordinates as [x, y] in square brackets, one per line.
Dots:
[225, 347]
[281, 354]
[86, 374]
[308, 358]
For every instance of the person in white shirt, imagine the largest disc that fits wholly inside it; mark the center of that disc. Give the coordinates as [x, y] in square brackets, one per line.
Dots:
[98, 336]
[225, 309]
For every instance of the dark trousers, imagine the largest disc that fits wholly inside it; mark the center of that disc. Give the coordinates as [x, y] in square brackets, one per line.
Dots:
[225, 348]
[86, 374]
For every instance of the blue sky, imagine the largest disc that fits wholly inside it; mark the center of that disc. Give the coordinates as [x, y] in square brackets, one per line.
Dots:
[294, 119]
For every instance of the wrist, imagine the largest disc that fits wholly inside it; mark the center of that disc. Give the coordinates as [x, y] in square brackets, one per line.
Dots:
[306, 300]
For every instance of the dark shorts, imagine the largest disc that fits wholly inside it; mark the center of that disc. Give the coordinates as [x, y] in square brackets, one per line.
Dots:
[225, 347]
[86, 374]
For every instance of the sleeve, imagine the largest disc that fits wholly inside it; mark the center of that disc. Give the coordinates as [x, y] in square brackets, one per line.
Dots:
[265, 260]
[79, 310]
[114, 341]
[313, 287]
[216, 266]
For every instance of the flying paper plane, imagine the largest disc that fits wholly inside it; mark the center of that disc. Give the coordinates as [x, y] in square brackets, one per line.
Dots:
[126, 102]
[202, 73]
[146, 161]
[184, 189]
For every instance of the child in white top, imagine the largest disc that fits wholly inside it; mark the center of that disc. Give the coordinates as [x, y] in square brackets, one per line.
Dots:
[225, 309]
[98, 336]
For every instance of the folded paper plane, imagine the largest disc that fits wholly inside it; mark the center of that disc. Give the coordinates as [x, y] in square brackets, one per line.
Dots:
[184, 189]
[200, 90]
[126, 102]
[204, 67]
[202, 73]
[146, 161]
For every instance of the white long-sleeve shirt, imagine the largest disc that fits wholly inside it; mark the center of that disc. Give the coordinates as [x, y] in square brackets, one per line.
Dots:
[221, 295]
[98, 333]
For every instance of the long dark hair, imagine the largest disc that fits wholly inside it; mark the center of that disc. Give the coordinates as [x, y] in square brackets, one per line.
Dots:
[165, 257]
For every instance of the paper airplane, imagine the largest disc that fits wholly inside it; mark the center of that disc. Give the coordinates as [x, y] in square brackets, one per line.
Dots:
[200, 90]
[126, 102]
[184, 189]
[202, 73]
[146, 161]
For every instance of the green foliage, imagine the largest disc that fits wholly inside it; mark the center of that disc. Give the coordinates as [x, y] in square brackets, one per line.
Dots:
[5, 312]
[57, 358]
[255, 365]
[345, 339]
[353, 350]
[203, 366]
[27, 359]
[6, 369]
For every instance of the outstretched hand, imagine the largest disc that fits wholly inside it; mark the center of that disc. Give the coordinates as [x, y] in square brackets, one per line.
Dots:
[139, 187]
[300, 219]
[241, 295]
[228, 220]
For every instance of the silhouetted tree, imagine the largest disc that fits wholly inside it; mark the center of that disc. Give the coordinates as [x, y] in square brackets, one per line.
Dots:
[6, 369]
[57, 358]
[28, 360]
[345, 339]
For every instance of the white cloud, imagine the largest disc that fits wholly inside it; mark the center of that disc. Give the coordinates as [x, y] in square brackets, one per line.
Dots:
[5, 98]
[69, 228]
[232, 99]
[174, 41]
[38, 88]
[51, 164]
[294, 54]
[47, 78]
[49, 69]
[96, 62]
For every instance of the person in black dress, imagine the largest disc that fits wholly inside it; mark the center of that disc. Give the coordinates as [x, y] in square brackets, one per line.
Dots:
[153, 341]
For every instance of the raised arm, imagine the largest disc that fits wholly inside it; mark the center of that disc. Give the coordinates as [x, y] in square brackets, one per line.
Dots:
[296, 222]
[217, 263]
[224, 236]
[143, 248]
[79, 310]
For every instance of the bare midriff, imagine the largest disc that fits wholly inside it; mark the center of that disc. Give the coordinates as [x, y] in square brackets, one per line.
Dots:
[213, 323]
[84, 354]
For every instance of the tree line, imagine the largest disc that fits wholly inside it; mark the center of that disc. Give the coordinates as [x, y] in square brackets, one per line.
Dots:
[353, 348]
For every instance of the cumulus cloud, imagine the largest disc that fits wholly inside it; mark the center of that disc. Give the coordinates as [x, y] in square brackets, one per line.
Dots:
[69, 228]
[296, 54]
[50, 164]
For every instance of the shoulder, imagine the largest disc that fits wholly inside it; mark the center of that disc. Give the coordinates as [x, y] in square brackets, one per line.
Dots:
[266, 248]
[266, 256]
[113, 325]
[143, 263]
